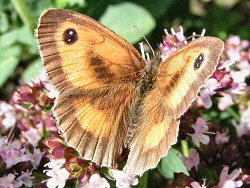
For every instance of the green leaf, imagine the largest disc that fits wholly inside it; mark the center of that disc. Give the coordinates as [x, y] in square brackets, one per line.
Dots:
[24, 13]
[8, 38]
[8, 62]
[210, 173]
[61, 3]
[80, 3]
[158, 8]
[25, 36]
[22, 35]
[9, 51]
[143, 181]
[7, 67]
[32, 71]
[171, 164]
[122, 17]
[3, 22]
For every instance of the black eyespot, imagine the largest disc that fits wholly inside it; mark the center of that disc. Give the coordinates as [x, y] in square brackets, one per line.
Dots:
[198, 61]
[70, 36]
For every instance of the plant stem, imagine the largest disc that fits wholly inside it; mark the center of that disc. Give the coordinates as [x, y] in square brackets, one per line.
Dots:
[234, 114]
[184, 147]
[24, 13]
[143, 182]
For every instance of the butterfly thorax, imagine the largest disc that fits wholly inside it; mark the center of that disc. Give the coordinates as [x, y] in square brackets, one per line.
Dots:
[148, 76]
[145, 83]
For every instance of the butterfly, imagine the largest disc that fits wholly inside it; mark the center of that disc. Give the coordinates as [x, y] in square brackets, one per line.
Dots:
[109, 99]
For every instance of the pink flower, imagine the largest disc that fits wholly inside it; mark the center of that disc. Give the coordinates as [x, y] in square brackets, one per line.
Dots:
[222, 138]
[8, 115]
[96, 181]
[208, 90]
[26, 179]
[243, 128]
[123, 180]
[172, 42]
[193, 160]
[195, 184]
[241, 75]
[84, 177]
[12, 153]
[228, 180]
[245, 117]
[225, 101]
[32, 136]
[9, 182]
[33, 97]
[35, 157]
[200, 128]
[233, 78]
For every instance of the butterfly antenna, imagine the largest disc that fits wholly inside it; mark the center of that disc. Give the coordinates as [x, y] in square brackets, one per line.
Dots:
[138, 29]
[196, 35]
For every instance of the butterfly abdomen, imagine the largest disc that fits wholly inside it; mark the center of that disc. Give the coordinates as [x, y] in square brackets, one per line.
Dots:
[145, 84]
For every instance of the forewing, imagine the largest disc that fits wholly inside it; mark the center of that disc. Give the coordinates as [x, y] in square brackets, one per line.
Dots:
[178, 83]
[178, 79]
[95, 73]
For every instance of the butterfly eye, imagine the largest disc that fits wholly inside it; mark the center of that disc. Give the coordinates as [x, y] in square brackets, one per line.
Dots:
[70, 36]
[198, 61]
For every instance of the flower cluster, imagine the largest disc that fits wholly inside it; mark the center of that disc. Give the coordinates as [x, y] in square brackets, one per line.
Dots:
[23, 125]
[224, 93]
[215, 131]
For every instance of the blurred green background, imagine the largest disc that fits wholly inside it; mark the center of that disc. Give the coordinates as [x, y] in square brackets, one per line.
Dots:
[19, 56]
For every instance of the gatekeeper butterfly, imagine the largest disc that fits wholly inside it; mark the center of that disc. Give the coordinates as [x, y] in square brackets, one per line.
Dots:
[109, 98]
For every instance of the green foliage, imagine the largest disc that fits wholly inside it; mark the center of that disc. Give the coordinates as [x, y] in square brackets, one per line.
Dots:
[19, 53]
[18, 19]
[8, 63]
[171, 164]
[138, 16]
[32, 71]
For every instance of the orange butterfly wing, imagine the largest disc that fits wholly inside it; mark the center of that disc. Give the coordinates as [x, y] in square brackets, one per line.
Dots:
[95, 72]
[176, 88]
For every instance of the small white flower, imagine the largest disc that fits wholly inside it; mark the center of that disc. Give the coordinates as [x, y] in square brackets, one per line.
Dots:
[55, 163]
[96, 181]
[123, 180]
[58, 174]
[53, 93]
[58, 177]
